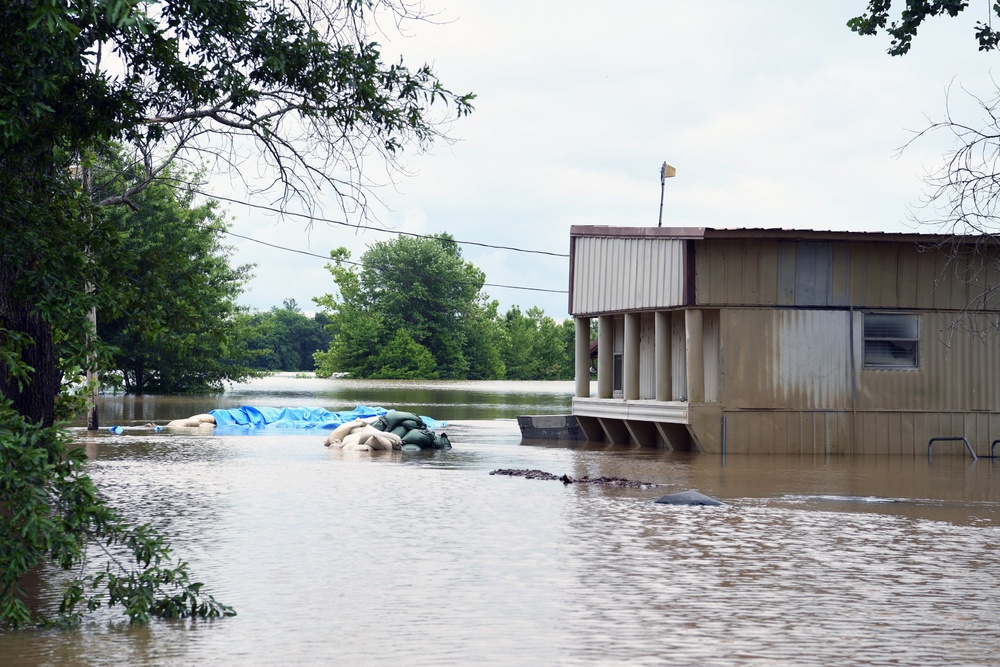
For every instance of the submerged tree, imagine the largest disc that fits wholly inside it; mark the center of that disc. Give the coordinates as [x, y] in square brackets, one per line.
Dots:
[420, 286]
[176, 326]
[286, 338]
[301, 87]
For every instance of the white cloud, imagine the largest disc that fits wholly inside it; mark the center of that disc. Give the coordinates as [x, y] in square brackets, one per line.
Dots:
[774, 114]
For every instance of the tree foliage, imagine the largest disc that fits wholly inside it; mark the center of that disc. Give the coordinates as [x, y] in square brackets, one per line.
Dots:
[418, 285]
[413, 309]
[50, 512]
[286, 339]
[537, 347]
[299, 90]
[175, 326]
[903, 29]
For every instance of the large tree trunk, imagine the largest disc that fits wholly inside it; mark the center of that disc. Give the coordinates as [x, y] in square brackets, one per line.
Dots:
[34, 398]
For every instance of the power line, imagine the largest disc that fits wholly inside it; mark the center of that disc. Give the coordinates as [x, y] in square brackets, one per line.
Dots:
[423, 275]
[343, 223]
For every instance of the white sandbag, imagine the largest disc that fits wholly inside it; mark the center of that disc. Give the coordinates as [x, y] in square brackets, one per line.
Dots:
[351, 440]
[344, 429]
[386, 442]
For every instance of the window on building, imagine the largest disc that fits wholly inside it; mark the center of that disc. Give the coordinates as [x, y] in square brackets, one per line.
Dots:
[891, 340]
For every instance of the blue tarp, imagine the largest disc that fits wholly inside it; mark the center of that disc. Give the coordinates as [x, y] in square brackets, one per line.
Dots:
[261, 417]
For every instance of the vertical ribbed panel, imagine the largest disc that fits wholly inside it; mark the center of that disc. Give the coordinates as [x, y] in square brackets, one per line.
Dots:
[883, 433]
[647, 356]
[837, 273]
[710, 330]
[611, 275]
[801, 360]
[678, 351]
[785, 358]
[959, 370]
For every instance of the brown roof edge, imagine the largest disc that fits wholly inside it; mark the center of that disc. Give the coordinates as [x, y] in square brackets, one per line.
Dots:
[633, 232]
[607, 231]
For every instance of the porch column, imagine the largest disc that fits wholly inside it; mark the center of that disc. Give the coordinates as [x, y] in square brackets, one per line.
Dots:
[664, 391]
[605, 356]
[583, 357]
[695, 356]
[630, 363]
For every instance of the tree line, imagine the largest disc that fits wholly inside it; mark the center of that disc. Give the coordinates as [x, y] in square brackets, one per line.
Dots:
[412, 308]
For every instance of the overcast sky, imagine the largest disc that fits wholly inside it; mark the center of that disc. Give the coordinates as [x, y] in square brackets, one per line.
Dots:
[774, 114]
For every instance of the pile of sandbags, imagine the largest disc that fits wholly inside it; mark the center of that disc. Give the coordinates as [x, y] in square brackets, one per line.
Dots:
[393, 430]
[197, 421]
[360, 436]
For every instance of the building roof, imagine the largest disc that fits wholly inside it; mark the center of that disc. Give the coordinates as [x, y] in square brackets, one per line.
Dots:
[698, 233]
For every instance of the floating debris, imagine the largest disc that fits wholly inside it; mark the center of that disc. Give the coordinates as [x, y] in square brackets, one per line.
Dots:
[615, 482]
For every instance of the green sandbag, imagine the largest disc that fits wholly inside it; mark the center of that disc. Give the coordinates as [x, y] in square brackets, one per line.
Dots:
[425, 439]
[420, 437]
[395, 418]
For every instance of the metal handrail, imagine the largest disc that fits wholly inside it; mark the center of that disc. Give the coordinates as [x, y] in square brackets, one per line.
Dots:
[957, 437]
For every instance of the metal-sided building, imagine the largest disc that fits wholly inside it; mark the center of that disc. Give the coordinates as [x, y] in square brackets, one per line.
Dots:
[776, 341]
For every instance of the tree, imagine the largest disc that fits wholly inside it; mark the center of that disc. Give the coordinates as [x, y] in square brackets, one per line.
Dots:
[418, 285]
[300, 85]
[176, 327]
[916, 12]
[286, 338]
[303, 85]
[536, 347]
[962, 196]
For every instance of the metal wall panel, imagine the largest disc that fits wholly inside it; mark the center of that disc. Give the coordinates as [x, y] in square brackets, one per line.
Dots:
[617, 274]
[959, 370]
[678, 355]
[902, 433]
[647, 356]
[710, 332]
[785, 358]
[839, 273]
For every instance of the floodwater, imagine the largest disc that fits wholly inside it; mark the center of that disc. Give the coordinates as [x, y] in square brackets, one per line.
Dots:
[427, 559]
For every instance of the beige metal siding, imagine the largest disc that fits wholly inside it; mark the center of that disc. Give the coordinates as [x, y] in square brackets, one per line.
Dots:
[678, 351]
[838, 274]
[959, 370]
[710, 331]
[612, 275]
[785, 358]
[903, 433]
[647, 356]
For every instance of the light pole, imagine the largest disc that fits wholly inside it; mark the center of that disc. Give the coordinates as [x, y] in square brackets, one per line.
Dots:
[666, 171]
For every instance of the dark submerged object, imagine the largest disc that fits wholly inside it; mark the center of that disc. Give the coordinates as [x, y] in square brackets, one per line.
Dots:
[619, 482]
[687, 498]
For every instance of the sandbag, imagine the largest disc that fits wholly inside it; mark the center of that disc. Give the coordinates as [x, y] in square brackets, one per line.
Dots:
[394, 418]
[426, 439]
[346, 428]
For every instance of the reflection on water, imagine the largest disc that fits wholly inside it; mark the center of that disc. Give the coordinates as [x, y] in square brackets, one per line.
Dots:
[425, 559]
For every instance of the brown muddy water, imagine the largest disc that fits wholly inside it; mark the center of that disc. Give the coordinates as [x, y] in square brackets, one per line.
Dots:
[426, 559]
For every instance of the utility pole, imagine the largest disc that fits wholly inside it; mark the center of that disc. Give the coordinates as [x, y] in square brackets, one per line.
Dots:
[666, 171]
